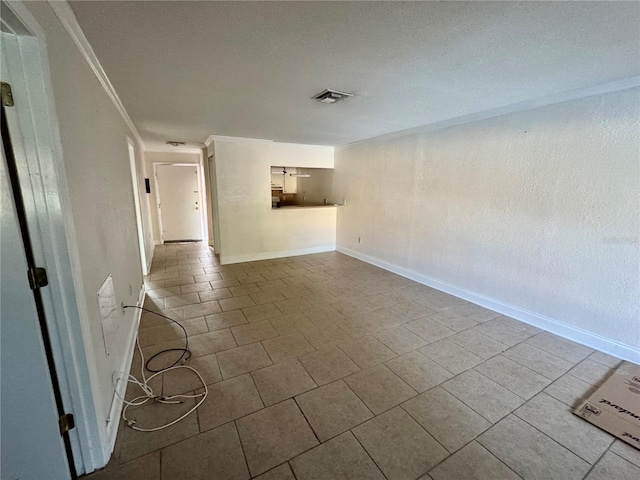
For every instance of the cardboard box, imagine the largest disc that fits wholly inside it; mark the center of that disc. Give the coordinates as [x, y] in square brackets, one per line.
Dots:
[615, 406]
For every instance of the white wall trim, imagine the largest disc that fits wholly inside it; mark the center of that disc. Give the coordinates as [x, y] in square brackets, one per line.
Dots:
[303, 145]
[113, 421]
[614, 86]
[209, 140]
[197, 151]
[68, 19]
[592, 340]
[220, 138]
[228, 259]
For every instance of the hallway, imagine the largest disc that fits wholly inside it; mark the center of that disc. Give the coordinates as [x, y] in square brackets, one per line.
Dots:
[325, 367]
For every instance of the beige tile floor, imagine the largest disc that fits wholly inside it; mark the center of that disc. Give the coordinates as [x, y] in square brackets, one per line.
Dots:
[324, 367]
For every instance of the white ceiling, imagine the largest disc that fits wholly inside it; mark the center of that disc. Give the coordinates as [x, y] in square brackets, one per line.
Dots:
[186, 70]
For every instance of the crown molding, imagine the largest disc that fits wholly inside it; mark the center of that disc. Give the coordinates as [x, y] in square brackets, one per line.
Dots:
[196, 151]
[221, 138]
[70, 23]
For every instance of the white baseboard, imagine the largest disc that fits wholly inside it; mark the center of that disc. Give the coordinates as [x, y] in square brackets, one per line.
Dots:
[121, 387]
[227, 259]
[584, 337]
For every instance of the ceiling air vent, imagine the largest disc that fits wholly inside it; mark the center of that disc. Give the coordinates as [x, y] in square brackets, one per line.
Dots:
[331, 96]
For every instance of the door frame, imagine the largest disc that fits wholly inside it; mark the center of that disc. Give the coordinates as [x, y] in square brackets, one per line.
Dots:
[201, 193]
[38, 153]
[135, 183]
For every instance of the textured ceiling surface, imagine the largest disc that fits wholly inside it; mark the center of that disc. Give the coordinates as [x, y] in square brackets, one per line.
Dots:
[186, 70]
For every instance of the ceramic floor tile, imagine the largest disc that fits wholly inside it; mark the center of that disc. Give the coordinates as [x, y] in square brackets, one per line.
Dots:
[400, 447]
[473, 462]
[332, 409]
[147, 467]
[400, 340]
[323, 336]
[412, 310]
[428, 329]
[232, 282]
[560, 347]
[503, 333]
[556, 420]
[135, 444]
[538, 360]
[626, 451]
[475, 312]
[339, 458]
[282, 472]
[379, 388]
[215, 454]
[282, 380]
[453, 320]
[274, 435]
[328, 365]
[536, 455]
[570, 390]
[229, 400]
[217, 294]
[220, 321]
[612, 466]
[485, 396]
[212, 342]
[290, 323]
[253, 332]
[440, 301]
[445, 417]
[477, 343]
[453, 357]
[287, 346]
[181, 300]
[366, 351]
[293, 305]
[201, 309]
[243, 360]
[418, 371]
[603, 358]
[261, 312]
[268, 297]
[239, 291]
[513, 376]
[591, 372]
[193, 326]
[236, 303]
[182, 380]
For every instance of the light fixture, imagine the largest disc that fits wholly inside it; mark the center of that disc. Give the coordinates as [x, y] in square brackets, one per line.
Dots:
[331, 96]
[175, 143]
[300, 175]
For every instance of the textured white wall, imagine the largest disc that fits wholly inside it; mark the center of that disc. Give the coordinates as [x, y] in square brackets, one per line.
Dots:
[96, 160]
[538, 210]
[249, 228]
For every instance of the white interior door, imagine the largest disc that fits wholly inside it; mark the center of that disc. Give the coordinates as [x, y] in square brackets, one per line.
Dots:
[32, 447]
[179, 202]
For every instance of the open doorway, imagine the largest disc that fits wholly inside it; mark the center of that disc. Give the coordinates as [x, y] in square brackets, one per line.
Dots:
[180, 205]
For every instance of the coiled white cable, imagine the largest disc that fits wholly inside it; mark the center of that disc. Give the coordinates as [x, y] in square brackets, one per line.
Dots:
[149, 395]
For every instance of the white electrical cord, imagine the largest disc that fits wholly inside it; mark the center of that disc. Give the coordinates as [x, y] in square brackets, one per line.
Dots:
[149, 395]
